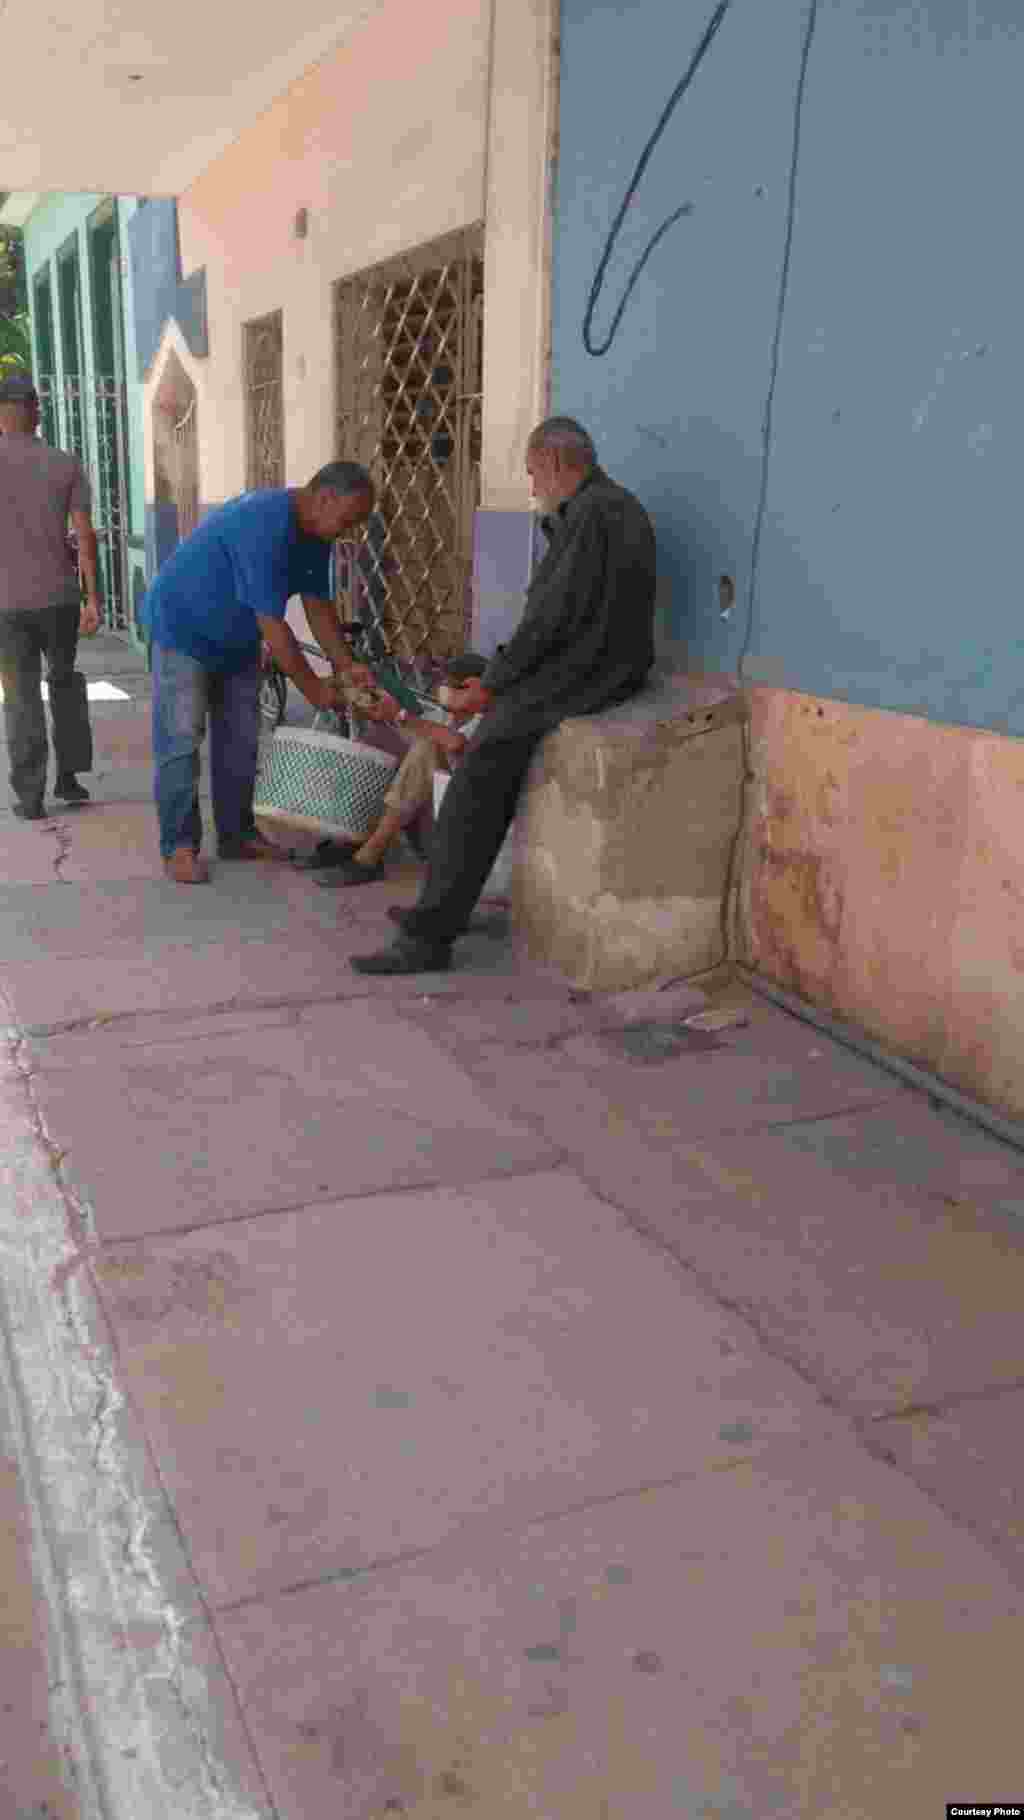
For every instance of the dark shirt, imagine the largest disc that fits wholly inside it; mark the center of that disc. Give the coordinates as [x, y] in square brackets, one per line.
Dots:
[586, 638]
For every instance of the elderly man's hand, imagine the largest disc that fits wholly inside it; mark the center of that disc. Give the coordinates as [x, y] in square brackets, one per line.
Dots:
[381, 707]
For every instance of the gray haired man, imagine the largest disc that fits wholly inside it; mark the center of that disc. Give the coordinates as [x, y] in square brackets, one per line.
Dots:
[41, 611]
[585, 641]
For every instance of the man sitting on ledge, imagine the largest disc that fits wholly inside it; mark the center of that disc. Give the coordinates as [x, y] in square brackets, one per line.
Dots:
[585, 642]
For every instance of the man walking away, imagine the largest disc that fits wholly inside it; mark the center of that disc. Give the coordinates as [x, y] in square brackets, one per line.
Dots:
[41, 611]
[585, 641]
[225, 589]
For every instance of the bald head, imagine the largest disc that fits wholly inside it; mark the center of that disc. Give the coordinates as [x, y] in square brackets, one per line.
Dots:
[568, 438]
[559, 455]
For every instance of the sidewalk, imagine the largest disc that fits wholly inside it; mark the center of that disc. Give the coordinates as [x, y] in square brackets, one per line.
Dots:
[449, 1398]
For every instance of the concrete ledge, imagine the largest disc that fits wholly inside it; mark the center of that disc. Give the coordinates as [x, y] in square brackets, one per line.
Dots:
[625, 834]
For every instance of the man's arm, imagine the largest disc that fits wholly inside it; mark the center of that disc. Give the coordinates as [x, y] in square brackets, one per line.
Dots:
[81, 518]
[445, 738]
[326, 629]
[322, 691]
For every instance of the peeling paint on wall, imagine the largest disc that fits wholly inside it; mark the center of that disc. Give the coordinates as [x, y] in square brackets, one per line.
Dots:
[883, 878]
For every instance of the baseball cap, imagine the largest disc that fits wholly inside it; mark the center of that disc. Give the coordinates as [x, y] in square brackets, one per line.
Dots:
[17, 388]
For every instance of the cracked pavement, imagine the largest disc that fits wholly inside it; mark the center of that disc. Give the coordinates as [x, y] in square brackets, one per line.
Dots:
[441, 1396]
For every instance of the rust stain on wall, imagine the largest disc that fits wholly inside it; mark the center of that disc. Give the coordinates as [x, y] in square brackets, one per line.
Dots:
[883, 879]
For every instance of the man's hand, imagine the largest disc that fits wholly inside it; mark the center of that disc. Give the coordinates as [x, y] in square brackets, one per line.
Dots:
[89, 619]
[448, 742]
[359, 675]
[324, 692]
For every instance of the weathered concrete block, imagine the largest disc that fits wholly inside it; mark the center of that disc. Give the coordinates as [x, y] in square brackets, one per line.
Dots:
[624, 837]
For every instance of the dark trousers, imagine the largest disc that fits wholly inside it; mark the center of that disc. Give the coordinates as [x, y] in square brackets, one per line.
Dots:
[475, 817]
[26, 635]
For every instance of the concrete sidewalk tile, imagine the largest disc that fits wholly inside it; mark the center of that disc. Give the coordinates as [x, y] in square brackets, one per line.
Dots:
[915, 1144]
[108, 1039]
[351, 1100]
[28, 855]
[133, 980]
[538, 1015]
[108, 841]
[83, 919]
[970, 1458]
[112, 781]
[885, 1293]
[330, 1388]
[667, 1000]
[583, 1090]
[787, 1643]
[885, 1298]
[128, 737]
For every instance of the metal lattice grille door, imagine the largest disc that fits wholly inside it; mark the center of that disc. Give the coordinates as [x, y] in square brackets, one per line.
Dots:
[72, 330]
[264, 402]
[82, 413]
[409, 348]
[110, 505]
[185, 477]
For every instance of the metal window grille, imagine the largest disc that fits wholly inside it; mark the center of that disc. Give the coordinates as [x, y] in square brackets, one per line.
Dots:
[409, 356]
[185, 480]
[264, 402]
[72, 332]
[81, 413]
[111, 503]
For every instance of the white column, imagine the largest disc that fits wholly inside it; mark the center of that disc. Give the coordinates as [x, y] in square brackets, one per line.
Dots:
[521, 151]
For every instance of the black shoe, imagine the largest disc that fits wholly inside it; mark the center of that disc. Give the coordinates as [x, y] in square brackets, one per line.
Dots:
[325, 854]
[401, 915]
[69, 790]
[407, 956]
[29, 812]
[350, 872]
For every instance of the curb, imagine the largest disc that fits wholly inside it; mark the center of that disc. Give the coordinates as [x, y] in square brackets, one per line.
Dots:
[131, 1704]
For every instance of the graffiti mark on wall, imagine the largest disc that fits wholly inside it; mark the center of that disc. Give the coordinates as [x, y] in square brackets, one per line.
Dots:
[768, 415]
[600, 348]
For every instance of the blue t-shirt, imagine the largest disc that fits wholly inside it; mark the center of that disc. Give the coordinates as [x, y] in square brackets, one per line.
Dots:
[246, 559]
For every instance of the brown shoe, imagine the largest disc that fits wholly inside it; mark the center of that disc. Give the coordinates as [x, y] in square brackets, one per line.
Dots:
[186, 867]
[251, 846]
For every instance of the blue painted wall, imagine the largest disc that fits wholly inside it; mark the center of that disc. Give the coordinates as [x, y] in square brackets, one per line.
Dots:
[872, 531]
[160, 293]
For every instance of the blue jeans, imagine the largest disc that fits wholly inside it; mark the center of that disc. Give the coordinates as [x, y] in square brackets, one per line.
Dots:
[185, 696]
